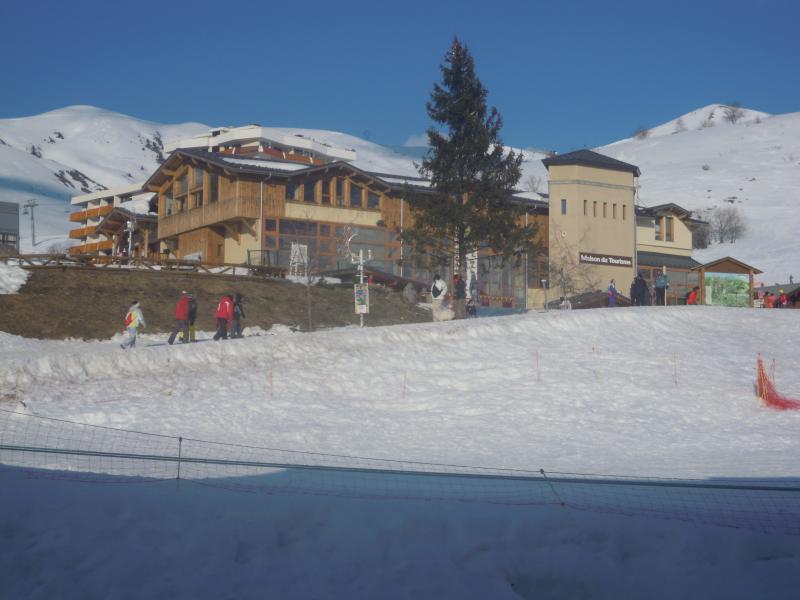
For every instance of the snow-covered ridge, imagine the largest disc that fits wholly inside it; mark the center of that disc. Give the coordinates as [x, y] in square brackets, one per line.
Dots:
[702, 118]
[753, 164]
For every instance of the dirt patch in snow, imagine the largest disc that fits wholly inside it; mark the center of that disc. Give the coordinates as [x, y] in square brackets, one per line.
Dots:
[91, 304]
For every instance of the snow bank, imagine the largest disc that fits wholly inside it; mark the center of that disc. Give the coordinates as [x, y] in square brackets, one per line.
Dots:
[641, 391]
[12, 278]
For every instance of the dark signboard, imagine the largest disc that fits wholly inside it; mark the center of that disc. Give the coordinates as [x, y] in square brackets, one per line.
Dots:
[605, 260]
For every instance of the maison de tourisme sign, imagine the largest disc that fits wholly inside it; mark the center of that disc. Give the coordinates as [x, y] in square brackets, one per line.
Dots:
[605, 259]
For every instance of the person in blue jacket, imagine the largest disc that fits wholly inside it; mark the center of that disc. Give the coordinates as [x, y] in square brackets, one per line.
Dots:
[612, 294]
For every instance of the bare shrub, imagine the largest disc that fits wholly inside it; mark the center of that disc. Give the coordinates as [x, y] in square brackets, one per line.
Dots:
[706, 168]
[641, 133]
[733, 113]
[727, 224]
[680, 126]
[534, 183]
[701, 236]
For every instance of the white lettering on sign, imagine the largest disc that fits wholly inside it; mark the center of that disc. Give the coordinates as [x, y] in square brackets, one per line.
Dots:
[605, 259]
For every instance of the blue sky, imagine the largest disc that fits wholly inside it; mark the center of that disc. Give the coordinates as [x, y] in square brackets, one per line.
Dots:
[564, 74]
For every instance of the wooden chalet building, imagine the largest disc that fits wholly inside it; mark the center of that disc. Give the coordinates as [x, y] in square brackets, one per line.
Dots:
[223, 207]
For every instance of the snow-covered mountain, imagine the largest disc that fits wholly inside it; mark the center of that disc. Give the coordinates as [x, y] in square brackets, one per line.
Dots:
[699, 160]
[753, 165]
[79, 149]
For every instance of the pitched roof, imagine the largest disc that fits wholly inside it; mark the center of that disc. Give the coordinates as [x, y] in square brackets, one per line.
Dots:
[591, 159]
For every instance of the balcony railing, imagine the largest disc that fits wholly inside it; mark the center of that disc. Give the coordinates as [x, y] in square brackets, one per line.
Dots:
[91, 213]
[82, 232]
[92, 247]
[209, 214]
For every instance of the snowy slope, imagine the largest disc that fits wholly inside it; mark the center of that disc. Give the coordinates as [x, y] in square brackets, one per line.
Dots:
[702, 118]
[479, 392]
[753, 165]
[74, 150]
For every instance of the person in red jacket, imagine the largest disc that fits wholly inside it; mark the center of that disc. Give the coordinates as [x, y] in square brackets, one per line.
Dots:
[181, 319]
[223, 315]
[692, 297]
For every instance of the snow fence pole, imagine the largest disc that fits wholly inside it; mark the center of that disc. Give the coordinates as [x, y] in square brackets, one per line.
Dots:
[553, 489]
[180, 451]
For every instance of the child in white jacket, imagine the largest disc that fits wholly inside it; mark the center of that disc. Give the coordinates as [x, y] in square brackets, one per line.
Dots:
[133, 320]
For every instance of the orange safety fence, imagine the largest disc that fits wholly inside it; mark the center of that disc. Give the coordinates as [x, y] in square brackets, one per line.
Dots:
[765, 388]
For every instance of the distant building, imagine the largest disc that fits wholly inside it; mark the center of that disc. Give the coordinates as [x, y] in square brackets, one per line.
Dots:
[93, 210]
[9, 228]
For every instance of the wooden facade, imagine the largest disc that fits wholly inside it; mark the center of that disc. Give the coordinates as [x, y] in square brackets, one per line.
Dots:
[228, 209]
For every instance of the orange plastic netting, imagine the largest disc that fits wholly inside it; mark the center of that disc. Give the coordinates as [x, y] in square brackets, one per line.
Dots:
[765, 388]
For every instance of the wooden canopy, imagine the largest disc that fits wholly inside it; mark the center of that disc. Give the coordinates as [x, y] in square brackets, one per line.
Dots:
[726, 265]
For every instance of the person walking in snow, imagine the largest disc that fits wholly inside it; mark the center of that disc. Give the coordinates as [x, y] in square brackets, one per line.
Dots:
[662, 285]
[223, 314]
[238, 315]
[612, 294]
[438, 292]
[459, 296]
[133, 320]
[181, 319]
[192, 317]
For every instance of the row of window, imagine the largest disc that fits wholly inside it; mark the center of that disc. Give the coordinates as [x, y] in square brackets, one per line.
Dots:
[335, 191]
[328, 235]
[184, 200]
[599, 209]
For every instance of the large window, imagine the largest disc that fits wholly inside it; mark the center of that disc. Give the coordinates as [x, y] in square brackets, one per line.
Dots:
[355, 196]
[197, 199]
[339, 196]
[213, 187]
[168, 202]
[197, 177]
[670, 229]
[563, 206]
[292, 192]
[183, 183]
[373, 200]
[325, 197]
[658, 230]
[310, 191]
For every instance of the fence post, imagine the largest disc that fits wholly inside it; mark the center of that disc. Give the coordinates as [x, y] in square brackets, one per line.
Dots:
[553, 489]
[180, 453]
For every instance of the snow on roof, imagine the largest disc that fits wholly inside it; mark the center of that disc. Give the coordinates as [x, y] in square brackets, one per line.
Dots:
[400, 180]
[267, 164]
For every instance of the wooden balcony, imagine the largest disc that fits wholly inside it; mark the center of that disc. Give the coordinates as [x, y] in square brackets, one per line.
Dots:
[210, 214]
[82, 232]
[91, 213]
[92, 247]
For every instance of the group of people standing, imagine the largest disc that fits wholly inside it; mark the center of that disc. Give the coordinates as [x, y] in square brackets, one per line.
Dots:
[460, 308]
[640, 294]
[773, 301]
[230, 310]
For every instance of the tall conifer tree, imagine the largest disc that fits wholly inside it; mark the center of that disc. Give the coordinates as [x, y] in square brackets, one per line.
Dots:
[472, 176]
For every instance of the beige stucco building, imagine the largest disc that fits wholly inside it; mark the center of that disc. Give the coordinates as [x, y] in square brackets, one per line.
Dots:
[592, 223]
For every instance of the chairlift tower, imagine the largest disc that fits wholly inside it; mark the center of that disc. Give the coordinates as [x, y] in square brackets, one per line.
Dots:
[28, 208]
